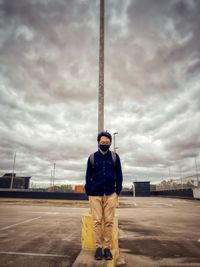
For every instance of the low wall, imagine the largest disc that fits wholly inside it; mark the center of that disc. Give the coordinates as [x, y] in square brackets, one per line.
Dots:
[49, 195]
[182, 193]
[43, 195]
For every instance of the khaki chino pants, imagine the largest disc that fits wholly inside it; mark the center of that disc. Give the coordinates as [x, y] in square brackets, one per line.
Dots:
[103, 212]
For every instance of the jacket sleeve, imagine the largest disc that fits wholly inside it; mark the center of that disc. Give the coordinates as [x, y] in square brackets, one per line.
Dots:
[88, 177]
[119, 176]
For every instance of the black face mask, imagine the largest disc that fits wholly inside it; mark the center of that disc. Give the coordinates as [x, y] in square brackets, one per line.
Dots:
[104, 148]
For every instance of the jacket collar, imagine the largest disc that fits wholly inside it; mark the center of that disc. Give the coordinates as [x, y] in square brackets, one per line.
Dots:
[108, 153]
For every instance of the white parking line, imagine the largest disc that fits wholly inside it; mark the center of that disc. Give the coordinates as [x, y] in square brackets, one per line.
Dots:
[33, 254]
[10, 226]
[46, 212]
[169, 205]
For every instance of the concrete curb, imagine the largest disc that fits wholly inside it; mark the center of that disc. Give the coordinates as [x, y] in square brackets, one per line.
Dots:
[86, 258]
[38, 200]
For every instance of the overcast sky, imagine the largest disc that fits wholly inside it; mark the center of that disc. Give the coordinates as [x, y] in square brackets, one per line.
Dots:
[49, 86]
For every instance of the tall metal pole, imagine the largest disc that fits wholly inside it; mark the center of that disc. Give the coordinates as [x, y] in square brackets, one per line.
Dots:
[114, 141]
[11, 184]
[181, 178]
[169, 187]
[51, 177]
[197, 172]
[101, 70]
[114, 144]
[54, 173]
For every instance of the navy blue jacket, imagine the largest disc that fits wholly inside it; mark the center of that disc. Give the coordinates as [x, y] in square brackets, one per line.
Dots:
[104, 177]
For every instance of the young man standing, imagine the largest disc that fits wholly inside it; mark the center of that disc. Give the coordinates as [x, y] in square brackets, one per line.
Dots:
[103, 186]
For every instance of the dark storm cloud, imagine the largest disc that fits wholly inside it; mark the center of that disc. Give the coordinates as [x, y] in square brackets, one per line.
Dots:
[49, 40]
[49, 85]
[161, 41]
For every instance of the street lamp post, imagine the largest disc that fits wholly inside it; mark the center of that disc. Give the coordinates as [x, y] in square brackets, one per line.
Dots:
[54, 173]
[197, 172]
[51, 178]
[181, 178]
[114, 140]
[11, 184]
[169, 185]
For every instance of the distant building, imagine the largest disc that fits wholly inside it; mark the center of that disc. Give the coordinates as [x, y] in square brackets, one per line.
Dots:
[141, 189]
[19, 182]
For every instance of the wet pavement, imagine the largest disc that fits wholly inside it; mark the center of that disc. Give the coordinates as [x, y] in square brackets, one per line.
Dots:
[153, 231]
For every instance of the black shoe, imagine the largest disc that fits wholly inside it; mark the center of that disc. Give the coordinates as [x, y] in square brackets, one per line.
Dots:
[98, 254]
[107, 254]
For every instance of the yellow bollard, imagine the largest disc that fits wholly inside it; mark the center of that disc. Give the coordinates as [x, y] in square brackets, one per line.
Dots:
[87, 233]
[88, 237]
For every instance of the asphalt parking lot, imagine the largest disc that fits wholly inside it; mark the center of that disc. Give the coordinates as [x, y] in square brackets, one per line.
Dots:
[153, 232]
